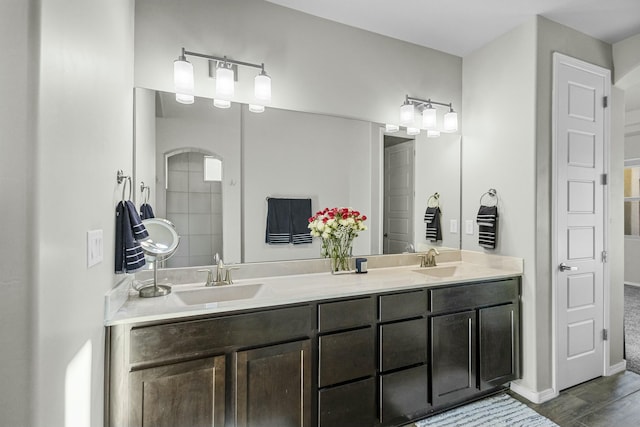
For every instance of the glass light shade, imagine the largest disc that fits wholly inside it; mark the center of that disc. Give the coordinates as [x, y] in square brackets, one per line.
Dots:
[413, 131]
[221, 103]
[407, 114]
[183, 80]
[262, 88]
[429, 118]
[450, 122]
[184, 99]
[255, 108]
[433, 133]
[224, 83]
[389, 128]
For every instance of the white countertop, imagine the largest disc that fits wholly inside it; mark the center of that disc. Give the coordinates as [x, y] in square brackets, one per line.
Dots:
[282, 290]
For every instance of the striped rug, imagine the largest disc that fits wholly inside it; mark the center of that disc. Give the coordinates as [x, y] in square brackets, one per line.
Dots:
[497, 411]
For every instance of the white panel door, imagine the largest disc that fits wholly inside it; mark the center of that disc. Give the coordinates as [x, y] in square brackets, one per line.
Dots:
[580, 122]
[398, 197]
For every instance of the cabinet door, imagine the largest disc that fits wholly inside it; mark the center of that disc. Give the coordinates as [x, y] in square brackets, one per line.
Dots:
[403, 394]
[346, 356]
[499, 335]
[348, 405]
[273, 386]
[453, 357]
[187, 394]
[403, 344]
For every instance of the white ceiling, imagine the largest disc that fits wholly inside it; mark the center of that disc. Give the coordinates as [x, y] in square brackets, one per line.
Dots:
[459, 27]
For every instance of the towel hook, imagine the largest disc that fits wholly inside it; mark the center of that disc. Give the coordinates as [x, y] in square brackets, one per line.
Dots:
[435, 197]
[493, 194]
[121, 177]
[148, 193]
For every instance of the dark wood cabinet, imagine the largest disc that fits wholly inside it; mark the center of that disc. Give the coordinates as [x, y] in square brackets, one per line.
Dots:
[498, 344]
[404, 394]
[273, 386]
[403, 344]
[189, 393]
[453, 357]
[348, 405]
[372, 360]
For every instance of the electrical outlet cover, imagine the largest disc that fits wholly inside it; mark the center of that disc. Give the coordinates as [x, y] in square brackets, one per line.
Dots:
[94, 247]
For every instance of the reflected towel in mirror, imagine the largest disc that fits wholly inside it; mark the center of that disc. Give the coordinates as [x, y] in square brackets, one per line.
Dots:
[287, 221]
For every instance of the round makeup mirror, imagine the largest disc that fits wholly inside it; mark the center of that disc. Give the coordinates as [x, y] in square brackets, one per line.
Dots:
[163, 242]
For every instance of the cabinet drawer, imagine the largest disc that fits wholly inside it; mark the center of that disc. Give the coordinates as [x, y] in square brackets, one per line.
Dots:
[346, 356]
[161, 343]
[403, 344]
[474, 295]
[333, 316]
[402, 306]
[403, 394]
[348, 405]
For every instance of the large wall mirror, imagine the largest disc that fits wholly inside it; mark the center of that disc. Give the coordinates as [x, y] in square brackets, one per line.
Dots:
[334, 161]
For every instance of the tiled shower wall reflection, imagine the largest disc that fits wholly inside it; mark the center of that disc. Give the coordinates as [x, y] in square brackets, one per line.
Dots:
[195, 208]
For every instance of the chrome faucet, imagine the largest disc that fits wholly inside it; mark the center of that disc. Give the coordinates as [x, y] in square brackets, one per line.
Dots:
[429, 259]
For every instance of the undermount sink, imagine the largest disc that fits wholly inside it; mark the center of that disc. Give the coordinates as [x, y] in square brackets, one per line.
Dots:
[219, 293]
[445, 271]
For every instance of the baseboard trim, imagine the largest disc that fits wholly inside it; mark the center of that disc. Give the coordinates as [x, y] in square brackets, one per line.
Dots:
[615, 369]
[632, 284]
[533, 396]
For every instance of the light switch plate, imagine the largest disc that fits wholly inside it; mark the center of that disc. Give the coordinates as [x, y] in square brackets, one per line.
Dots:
[468, 226]
[453, 226]
[94, 247]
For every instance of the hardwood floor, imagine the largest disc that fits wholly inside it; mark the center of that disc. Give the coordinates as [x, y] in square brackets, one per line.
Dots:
[605, 401]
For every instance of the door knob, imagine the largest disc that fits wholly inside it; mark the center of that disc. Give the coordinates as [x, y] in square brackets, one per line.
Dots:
[385, 235]
[565, 267]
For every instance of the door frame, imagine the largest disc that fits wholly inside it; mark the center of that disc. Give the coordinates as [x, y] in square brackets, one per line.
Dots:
[606, 289]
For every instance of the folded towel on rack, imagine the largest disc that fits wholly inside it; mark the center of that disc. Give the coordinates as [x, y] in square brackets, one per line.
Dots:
[300, 213]
[146, 212]
[432, 219]
[487, 220]
[287, 221]
[129, 231]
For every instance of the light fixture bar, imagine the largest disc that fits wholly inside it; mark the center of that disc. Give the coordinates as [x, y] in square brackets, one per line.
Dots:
[427, 101]
[222, 59]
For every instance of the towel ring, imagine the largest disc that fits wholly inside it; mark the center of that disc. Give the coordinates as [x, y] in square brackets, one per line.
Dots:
[148, 193]
[434, 201]
[124, 186]
[493, 194]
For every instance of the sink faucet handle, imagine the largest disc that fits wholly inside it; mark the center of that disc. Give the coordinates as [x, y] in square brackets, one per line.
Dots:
[227, 275]
[209, 281]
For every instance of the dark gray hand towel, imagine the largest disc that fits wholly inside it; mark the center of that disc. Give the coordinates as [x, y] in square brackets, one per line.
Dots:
[487, 220]
[146, 212]
[300, 214]
[278, 221]
[129, 230]
[287, 221]
[432, 218]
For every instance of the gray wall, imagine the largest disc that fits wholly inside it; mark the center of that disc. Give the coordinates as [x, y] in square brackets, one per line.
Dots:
[84, 128]
[507, 146]
[316, 65]
[498, 151]
[18, 41]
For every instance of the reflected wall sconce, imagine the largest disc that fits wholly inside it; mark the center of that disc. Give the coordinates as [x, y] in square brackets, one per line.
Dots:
[225, 75]
[429, 118]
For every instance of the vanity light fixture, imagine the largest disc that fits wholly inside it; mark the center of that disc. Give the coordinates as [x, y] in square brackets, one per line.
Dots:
[225, 75]
[183, 80]
[407, 113]
[429, 116]
[390, 128]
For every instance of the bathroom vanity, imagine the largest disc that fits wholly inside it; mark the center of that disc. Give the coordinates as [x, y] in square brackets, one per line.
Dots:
[378, 349]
